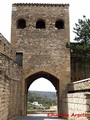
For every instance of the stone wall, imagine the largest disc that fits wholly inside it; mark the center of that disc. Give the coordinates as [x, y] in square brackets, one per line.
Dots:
[10, 88]
[6, 48]
[76, 103]
[77, 106]
[82, 85]
[44, 50]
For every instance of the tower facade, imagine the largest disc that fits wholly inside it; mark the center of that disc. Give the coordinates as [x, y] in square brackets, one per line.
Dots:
[39, 33]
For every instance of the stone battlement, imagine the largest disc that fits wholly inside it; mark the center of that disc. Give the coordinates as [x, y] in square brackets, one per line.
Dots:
[41, 4]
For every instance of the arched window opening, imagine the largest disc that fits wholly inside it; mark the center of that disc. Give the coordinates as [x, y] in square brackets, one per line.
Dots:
[40, 24]
[21, 24]
[59, 24]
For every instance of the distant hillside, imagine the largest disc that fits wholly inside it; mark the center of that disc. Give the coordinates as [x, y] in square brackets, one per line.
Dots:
[49, 95]
[47, 99]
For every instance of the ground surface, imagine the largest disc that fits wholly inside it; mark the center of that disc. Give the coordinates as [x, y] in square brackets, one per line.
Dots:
[38, 117]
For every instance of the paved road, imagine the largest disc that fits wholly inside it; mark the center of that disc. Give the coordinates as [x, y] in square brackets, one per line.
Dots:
[38, 117]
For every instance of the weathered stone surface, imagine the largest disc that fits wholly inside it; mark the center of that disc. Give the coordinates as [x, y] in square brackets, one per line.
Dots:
[77, 103]
[44, 50]
[10, 88]
[79, 85]
[6, 48]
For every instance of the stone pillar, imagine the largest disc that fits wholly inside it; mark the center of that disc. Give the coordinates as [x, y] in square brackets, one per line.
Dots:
[24, 98]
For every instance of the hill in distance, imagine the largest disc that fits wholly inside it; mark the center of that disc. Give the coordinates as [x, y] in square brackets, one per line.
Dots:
[44, 94]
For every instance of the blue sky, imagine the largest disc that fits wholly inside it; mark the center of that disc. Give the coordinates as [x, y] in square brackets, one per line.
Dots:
[77, 9]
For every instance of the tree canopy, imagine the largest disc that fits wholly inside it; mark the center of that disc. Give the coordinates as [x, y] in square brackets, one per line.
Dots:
[81, 49]
[82, 31]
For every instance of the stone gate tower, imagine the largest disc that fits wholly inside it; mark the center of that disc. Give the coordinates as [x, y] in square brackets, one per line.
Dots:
[39, 33]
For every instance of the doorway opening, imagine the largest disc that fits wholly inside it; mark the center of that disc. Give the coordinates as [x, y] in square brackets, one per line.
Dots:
[42, 93]
[42, 97]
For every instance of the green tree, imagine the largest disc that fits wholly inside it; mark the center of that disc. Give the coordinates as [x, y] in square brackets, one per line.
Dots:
[82, 48]
[82, 31]
[45, 101]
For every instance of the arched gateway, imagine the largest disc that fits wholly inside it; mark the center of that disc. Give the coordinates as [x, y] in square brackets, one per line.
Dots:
[29, 80]
[41, 50]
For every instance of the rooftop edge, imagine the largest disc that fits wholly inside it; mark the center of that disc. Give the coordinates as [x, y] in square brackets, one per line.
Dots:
[40, 4]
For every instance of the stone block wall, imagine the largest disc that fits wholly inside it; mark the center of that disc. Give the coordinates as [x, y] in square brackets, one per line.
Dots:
[44, 50]
[77, 106]
[6, 48]
[82, 85]
[76, 102]
[10, 88]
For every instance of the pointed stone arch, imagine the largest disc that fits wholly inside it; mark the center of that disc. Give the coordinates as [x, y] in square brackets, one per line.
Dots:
[54, 80]
[30, 79]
